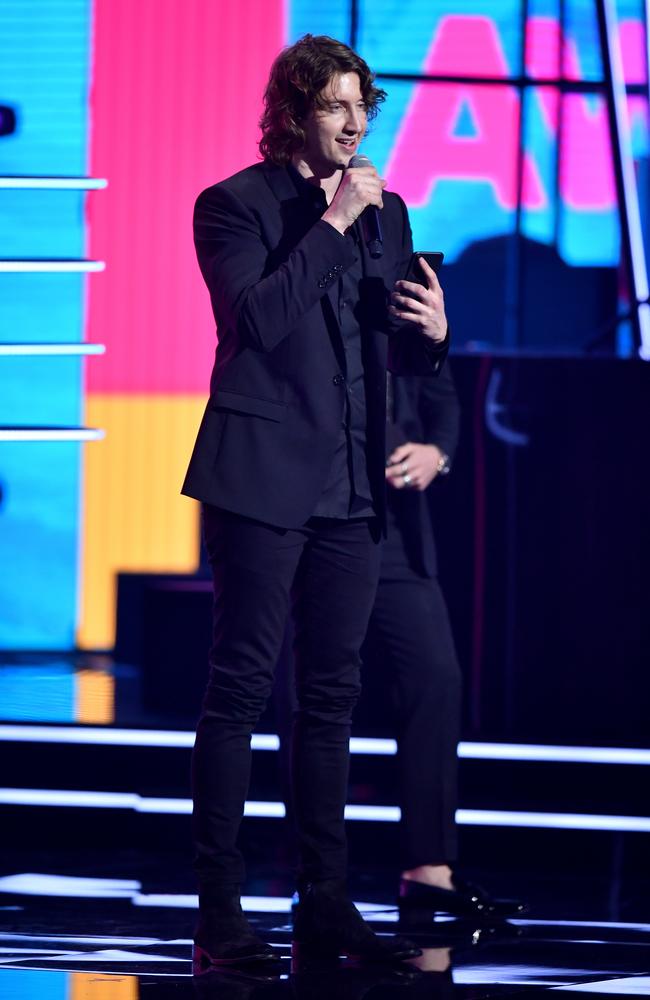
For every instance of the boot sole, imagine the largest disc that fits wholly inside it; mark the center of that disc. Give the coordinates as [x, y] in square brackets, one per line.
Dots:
[202, 961]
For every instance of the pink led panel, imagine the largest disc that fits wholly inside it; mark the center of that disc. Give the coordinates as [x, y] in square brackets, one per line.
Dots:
[176, 99]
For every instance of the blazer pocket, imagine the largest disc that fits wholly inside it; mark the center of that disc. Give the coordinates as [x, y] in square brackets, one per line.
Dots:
[227, 399]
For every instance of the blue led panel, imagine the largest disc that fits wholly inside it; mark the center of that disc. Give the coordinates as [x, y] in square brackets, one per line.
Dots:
[44, 69]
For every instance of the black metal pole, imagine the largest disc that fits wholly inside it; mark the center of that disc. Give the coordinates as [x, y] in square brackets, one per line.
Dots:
[354, 23]
[619, 162]
[561, 72]
[513, 319]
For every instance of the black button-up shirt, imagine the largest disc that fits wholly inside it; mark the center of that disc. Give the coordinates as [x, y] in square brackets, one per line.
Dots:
[347, 490]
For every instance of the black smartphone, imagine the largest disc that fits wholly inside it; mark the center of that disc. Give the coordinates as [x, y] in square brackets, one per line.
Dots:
[415, 273]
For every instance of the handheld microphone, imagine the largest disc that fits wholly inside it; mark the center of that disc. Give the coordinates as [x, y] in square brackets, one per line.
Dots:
[370, 222]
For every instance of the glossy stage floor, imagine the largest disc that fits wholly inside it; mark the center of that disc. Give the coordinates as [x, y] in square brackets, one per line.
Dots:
[96, 889]
[71, 937]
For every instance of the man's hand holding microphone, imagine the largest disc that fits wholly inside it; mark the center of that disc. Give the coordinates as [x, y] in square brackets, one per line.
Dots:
[359, 192]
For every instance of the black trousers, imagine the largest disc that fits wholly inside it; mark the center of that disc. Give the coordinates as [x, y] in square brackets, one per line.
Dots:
[410, 651]
[327, 571]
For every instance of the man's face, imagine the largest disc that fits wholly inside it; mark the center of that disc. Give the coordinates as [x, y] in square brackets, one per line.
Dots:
[334, 131]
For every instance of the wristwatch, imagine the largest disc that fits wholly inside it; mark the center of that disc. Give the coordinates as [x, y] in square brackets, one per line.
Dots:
[444, 465]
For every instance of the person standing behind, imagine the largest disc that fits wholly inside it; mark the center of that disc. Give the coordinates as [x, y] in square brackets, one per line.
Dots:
[410, 633]
[289, 466]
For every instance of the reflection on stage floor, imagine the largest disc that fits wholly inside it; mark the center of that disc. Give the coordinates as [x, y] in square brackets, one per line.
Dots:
[86, 938]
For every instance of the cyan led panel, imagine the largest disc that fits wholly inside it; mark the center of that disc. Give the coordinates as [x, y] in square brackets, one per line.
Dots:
[50, 221]
[38, 544]
[25, 984]
[44, 693]
[319, 17]
[398, 36]
[40, 307]
[37, 391]
[44, 76]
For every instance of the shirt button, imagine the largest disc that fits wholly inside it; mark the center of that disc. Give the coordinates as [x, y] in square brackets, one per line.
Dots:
[338, 379]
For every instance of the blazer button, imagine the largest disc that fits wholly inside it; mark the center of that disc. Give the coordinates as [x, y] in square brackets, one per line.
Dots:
[338, 379]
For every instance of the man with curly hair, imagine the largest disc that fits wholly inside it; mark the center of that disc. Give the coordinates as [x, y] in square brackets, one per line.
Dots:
[289, 467]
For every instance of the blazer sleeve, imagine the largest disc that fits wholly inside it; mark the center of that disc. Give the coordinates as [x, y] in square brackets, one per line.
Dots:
[409, 351]
[261, 302]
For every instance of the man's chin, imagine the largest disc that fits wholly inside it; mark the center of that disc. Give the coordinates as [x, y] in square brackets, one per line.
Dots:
[342, 159]
[345, 155]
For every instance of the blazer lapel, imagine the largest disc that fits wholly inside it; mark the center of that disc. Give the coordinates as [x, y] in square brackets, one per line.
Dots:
[279, 181]
[373, 290]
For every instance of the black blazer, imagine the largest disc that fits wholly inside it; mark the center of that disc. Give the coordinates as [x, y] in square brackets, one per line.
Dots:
[426, 411]
[270, 429]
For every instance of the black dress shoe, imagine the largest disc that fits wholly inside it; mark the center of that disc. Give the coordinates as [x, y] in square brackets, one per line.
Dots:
[224, 936]
[327, 924]
[464, 900]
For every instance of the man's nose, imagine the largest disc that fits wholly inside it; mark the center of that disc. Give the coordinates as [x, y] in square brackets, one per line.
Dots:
[353, 123]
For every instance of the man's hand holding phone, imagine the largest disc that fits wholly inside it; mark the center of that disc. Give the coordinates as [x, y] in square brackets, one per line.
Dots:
[418, 298]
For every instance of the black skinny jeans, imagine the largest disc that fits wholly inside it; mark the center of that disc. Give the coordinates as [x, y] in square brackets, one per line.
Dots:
[328, 572]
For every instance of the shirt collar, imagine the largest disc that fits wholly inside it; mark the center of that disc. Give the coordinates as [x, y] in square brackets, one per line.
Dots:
[310, 192]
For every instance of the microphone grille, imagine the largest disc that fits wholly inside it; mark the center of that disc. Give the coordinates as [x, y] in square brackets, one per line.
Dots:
[359, 160]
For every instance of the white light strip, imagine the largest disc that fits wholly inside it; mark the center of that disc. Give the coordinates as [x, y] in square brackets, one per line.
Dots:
[29, 350]
[43, 434]
[23, 954]
[55, 183]
[32, 884]
[622, 986]
[358, 745]
[91, 734]
[265, 810]
[579, 923]
[250, 904]
[261, 741]
[554, 821]
[559, 754]
[276, 810]
[89, 939]
[54, 266]
[373, 814]
[630, 190]
[373, 747]
[68, 797]
[162, 806]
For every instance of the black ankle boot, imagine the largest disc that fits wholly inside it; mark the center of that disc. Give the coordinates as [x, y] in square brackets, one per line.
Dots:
[223, 935]
[326, 924]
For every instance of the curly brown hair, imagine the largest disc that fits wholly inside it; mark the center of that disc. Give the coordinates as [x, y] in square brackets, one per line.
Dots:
[297, 78]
